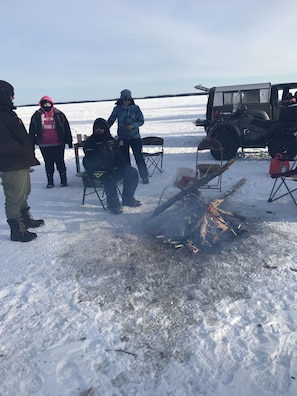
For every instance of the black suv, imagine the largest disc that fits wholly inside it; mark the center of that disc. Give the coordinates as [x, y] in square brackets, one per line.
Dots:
[252, 116]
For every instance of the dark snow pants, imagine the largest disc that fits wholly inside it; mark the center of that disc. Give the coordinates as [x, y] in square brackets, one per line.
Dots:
[136, 147]
[54, 155]
[129, 176]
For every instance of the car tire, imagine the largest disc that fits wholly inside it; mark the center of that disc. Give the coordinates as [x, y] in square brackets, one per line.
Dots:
[283, 143]
[230, 146]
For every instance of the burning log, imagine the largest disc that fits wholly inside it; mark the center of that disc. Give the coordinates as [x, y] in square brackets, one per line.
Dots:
[198, 224]
[188, 190]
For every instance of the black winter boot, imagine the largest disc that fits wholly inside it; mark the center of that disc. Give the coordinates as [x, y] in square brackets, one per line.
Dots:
[29, 221]
[50, 181]
[63, 180]
[18, 231]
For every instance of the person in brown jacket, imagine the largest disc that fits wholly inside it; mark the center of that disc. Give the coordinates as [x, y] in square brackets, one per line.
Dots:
[16, 158]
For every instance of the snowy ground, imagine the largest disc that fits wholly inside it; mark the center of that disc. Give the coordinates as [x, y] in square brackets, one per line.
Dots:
[95, 306]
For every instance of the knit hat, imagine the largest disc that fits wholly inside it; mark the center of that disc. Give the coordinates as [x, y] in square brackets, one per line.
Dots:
[126, 94]
[101, 123]
[6, 91]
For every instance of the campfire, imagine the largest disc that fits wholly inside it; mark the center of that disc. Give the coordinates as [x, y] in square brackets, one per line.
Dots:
[195, 224]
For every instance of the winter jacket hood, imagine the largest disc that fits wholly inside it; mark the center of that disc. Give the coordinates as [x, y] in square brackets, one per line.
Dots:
[6, 92]
[45, 108]
[101, 137]
[46, 98]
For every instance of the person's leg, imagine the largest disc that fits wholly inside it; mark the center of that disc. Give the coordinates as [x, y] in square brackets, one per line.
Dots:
[48, 156]
[130, 181]
[59, 160]
[28, 219]
[17, 187]
[110, 188]
[125, 147]
[137, 152]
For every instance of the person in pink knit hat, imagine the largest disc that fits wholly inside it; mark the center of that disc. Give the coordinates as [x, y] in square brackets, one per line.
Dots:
[50, 130]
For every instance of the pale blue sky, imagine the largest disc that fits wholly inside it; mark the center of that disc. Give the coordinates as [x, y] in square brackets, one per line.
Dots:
[92, 49]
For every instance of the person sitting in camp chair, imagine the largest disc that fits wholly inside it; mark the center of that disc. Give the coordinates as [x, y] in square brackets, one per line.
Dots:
[103, 154]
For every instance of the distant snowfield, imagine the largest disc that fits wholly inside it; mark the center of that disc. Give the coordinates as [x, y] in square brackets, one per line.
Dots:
[96, 306]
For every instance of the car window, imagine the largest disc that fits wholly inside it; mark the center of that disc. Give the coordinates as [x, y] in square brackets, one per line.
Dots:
[247, 97]
[264, 95]
[228, 97]
[251, 96]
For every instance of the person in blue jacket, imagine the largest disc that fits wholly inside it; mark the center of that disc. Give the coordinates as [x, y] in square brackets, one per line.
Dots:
[129, 118]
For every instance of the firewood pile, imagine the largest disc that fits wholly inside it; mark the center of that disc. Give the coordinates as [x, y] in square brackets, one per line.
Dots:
[195, 224]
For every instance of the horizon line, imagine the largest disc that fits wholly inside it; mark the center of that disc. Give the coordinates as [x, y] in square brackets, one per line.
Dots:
[115, 99]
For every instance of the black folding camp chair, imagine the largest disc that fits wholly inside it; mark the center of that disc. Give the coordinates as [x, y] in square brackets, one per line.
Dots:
[153, 152]
[93, 185]
[91, 182]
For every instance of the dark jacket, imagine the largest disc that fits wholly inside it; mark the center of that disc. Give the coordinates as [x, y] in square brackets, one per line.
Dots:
[16, 151]
[126, 115]
[61, 124]
[102, 151]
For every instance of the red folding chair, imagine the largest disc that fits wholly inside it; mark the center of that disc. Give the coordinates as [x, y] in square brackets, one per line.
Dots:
[284, 175]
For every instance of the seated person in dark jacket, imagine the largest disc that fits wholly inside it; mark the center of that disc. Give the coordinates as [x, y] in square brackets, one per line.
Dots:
[103, 153]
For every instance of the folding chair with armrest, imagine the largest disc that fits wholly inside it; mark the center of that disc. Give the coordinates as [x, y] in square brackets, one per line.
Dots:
[93, 182]
[202, 168]
[284, 174]
[90, 181]
[153, 151]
